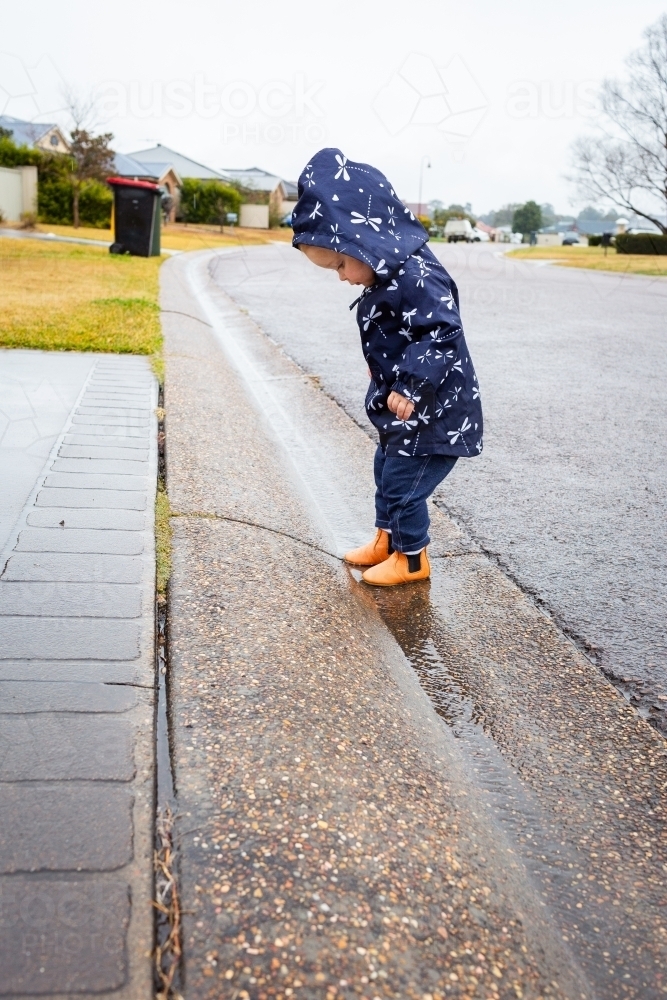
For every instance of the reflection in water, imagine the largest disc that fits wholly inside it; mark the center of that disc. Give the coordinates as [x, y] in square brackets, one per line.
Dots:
[413, 621]
[534, 836]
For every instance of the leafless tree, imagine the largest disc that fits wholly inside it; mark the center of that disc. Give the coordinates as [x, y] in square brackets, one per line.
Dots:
[91, 157]
[626, 162]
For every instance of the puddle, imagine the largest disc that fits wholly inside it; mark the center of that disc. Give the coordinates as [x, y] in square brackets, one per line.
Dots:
[533, 836]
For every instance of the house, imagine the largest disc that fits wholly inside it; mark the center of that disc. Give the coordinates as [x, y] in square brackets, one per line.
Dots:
[168, 169]
[36, 135]
[162, 156]
[281, 195]
[160, 173]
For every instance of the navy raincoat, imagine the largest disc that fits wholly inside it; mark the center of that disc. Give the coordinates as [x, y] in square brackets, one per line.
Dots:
[409, 319]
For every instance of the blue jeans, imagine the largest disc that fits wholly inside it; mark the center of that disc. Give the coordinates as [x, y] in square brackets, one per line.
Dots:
[403, 487]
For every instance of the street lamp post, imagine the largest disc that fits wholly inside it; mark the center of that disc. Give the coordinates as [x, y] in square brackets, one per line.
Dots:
[421, 180]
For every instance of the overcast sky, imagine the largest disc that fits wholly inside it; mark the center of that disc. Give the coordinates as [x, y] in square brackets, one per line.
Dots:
[490, 93]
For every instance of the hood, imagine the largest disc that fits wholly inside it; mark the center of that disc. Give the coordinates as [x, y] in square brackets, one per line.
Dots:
[352, 208]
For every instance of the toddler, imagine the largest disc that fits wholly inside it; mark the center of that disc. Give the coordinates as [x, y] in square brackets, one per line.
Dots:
[423, 396]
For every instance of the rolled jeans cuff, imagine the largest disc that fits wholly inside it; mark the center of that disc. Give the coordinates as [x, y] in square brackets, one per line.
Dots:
[413, 546]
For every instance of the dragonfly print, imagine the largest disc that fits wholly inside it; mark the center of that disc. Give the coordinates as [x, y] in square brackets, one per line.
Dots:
[342, 167]
[407, 424]
[335, 238]
[424, 271]
[460, 431]
[373, 316]
[367, 220]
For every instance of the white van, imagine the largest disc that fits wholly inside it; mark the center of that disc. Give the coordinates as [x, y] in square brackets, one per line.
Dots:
[458, 229]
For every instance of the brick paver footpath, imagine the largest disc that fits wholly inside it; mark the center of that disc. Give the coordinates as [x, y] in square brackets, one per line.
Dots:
[76, 676]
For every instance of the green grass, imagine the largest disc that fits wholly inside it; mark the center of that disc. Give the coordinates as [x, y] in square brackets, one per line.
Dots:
[64, 297]
[162, 540]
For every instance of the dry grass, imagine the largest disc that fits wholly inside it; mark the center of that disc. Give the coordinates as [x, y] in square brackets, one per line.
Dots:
[178, 236]
[167, 903]
[64, 297]
[181, 237]
[594, 258]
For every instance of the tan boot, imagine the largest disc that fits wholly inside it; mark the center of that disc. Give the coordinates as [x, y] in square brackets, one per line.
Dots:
[373, 553]
[396, 570]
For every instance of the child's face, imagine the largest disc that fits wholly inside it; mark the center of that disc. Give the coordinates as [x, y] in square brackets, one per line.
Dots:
[349, 269]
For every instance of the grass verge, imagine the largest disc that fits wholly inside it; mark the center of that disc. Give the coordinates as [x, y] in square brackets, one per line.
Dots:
[64, 297]
[594, 259]
[162, 540]
[178, 236]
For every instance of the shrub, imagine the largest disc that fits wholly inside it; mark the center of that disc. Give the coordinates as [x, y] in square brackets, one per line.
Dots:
[95, 203]
[644, 243]
[55, 202]
[12, 155]
[595, 241]
[55, 191]
[208, 201]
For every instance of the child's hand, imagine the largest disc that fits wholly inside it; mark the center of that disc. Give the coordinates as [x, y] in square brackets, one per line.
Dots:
[401, 406]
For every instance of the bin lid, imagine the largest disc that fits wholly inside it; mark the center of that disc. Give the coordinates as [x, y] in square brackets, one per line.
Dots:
[125, 182]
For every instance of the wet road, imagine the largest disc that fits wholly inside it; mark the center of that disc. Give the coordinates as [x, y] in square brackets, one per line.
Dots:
[339, 829]
[569, 495]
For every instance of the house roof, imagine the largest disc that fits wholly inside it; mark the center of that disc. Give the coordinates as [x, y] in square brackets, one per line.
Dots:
[291, 190]
[253, 177]
[127, 166]
[163, 157]
[26, 133]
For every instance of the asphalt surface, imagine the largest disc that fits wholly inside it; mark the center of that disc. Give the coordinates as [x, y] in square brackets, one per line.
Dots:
[422, 793]
[569, 495]
[78, 464]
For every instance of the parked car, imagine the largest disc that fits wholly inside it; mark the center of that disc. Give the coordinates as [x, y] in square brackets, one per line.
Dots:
[458, 230]
[479, 236]
[570, 239]
[516, 238]
[286, 220]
